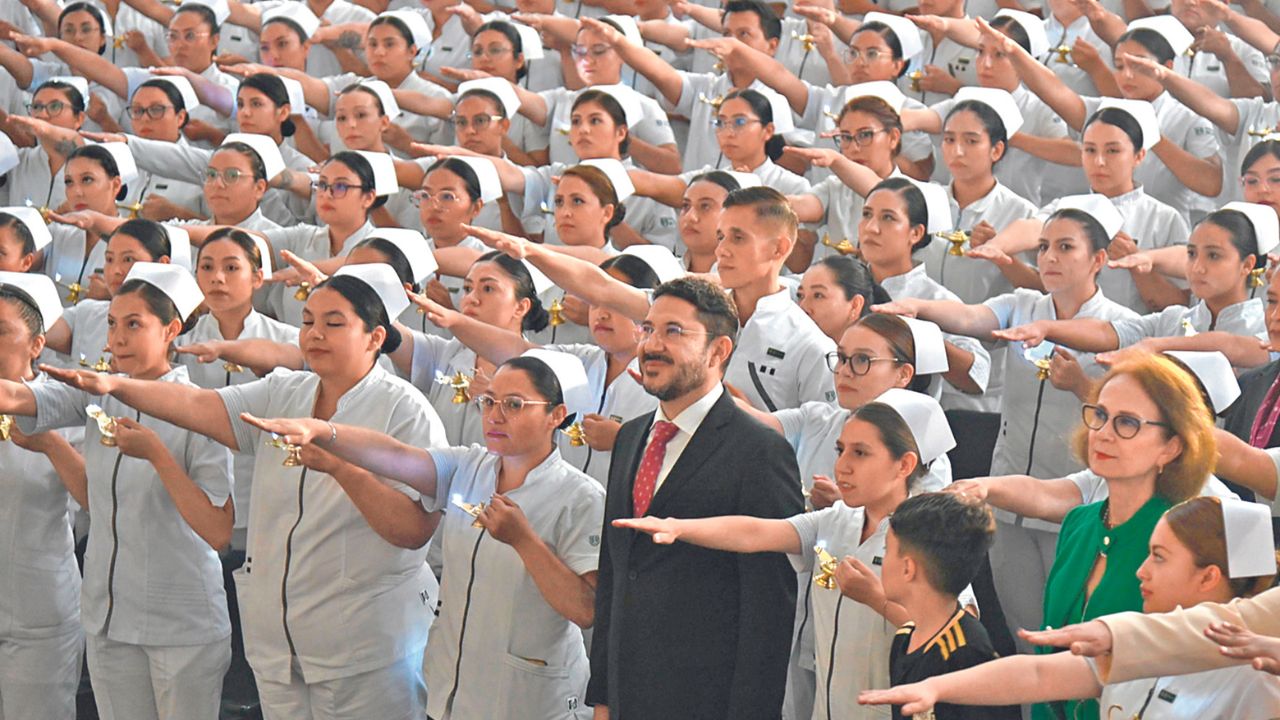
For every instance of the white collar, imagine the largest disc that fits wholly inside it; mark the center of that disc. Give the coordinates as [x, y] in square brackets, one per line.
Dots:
[691, 417]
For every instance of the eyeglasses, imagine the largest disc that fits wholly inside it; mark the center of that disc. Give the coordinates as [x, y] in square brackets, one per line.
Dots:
[734, 125]
[1125, 426]
[424, 197]
[581, 51]
[859, 363]
[669, 333]
[48, 109]
[155, 112]
[493, 51]
[511, 405]
[230, 176]
[188, 36]
[336, 190]
[871, 56]
[87, 29]
[1253, 182]
[479, 122]
[862, 138]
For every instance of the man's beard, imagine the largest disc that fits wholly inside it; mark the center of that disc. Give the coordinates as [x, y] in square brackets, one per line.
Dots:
[689, 376]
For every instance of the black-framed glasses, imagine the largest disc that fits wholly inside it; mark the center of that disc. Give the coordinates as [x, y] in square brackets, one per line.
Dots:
[1125, 426]
[859, 363]
[668, 333]
[154, 111]
[230, 176]
[48, 109]
[479, 122]
[335, 190]
[734, 124]
[862, 138]
[510, 405]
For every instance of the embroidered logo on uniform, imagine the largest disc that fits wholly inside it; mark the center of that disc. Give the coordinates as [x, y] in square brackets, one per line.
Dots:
[594, 540]
[1167, 696]
[831, 395]
[877, 560]
[572, 703]
[775, 352]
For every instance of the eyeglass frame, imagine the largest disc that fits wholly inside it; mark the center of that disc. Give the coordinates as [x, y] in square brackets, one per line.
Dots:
[189, 36]
[419, 197]
[46, 109]
[840, 140]
[212, 174]
[835, 359]
[320, 187]
[488, 403]
[1088, 408]
[473, 121]
[671, 333]
[155, 112]
[735, 124]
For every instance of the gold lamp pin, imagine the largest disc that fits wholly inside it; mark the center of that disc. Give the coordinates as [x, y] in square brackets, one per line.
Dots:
[916, 76]
[232, 367]
[1042, 368]
[1188, 330]
[844, 247]
[557, 312]
[470, 509]
[117, 42]
[303, 292]
[106, 425]
[714, 102]
[826, 575]
[134, 208]
[293, 457]
[6, 427]
[461, 384]
[74, 290]
[806, 41]
[1064, 54]
[1263, 132]
[957, 238]
[102, 365]
[577, 436]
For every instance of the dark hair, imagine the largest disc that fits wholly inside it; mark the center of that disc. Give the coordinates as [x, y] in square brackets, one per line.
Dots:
[158, 303]
[105, 160]
[1199, 524]
[273, 87]
[854, 278]
[485, 95]
[289, 23]
[913, 196]
[718, 177]
[763, 110]
[367, 306]
[399, 25]
[151, 235]
[463, 170]
[1257, 152]
[879, 109]
[537, 318]
[948, 534]
[637, 272]
[513, 36]
[1154, 42]
[93, 12]
[1204, 391]
[205, 13]
[887, 34]
[238, 237]
[170, 92]
[602, 187]
[359, 165]
[612, 108]
[395, 258]
[544, 382]
[21, 230]
[1014, 30]
[714, 307]
[256, 165]
[72, 93]
[1243, 237]
[770, 23]
[895, 434]
[28, 311]
[769, 204]
[1093, 229]
[359, 87]
[1120, 119]
[996, 132]
[902, 343]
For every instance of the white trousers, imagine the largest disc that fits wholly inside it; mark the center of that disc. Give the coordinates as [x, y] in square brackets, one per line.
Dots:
[395, 692]
[157, 682]
[1020, 562]
[39, 678]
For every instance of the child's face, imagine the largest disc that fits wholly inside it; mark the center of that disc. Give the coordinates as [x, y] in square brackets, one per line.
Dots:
[892, 573]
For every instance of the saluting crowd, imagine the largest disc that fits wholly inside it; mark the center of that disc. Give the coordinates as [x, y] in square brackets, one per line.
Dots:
[639, 359]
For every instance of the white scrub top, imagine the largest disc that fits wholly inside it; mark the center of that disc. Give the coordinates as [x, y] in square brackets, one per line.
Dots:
[1068, 72]
[808, 65]
[1208, 70]
[1152, 224]
[451, 49]
[309, 242]
[975, 280]
[66, 262]
[149, 579]
[1244, 318]
[39, 578]
[318, 584]
[31, 183]
[653, 128]
[1239, 692]
[87, 320]
[43, 70]
[203, 113]
[499, 650]
[823, 108]
[781, 357]
[435, 360]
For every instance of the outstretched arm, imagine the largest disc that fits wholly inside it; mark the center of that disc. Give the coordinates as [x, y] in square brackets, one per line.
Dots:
[1048, 500]
[92, 66]
[975, 321]
[735, 533]
[1086, 334]
[490, 342]
[1006, 681]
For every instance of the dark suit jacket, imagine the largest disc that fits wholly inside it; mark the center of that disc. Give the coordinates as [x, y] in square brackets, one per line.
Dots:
[683, 632]
[1239, 418]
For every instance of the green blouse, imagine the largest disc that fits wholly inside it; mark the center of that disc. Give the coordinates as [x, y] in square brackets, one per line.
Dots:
[1082, 539]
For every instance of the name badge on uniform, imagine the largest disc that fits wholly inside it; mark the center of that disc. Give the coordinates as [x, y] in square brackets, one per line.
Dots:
[161, 186]
[1167, 696]
[877, 560]
[775, 352]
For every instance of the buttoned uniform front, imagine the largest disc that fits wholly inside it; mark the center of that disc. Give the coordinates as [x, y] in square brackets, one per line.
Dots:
[436, 360]
[1036, 424]
[1257, 117]
[780, 359]
[128, 19]
[915, 283]
[1243, 318]
[498, 648]
[1235, 692]
[652, 220]
[41, 640]
[1151, 224]
[152, 587]
[653, 128]
[309, 242]
[87, 321]
[799, 56]
[957, 61]
[420, 127]
[411, 318]
[314, 564]
[135, 77]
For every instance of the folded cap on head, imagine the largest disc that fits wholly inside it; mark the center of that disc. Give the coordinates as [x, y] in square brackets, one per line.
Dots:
[1169, 27]
[1032, 26]
[1250, 539]
[37, 289]
[415, 248]
[264, 147]
[664, 264]
[1000, 102]
[383, 280]
[924, 417]
[618, 176]
[1143, 113]
[1266, 225]
[931, 350]
[1097, 206]
[1213, 372]
[297, 12]
[497, 87]
[570, 374]
[390, 107]
[175, 282]
[34, 222]
[906, 31]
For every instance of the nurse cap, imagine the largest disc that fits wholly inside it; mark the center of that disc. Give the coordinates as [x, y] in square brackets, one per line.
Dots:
[882, 89]
[999, 101]
[937, 206]
[384, 172]
[924, 417]
[745, 179]
[1250, 539]
[415, 248]
[383, 280]
[264, 147]
[1097, 206]
[297, 12]
[659, 259]
[175, 282]
[8, 154]
[541, 283]
[1033, 26]
[124, 160]
[1266, 226]
[627, 98]
[297, 99]
[1213, 372]
[1169, 28]
[80, 84]
[498, 87]
[571, 376]
[782, 122]
[220, 9]
[264, 252]
[906, 31]
[39, 290]
[183, 86]
[530, 41]
[931, 352]
[417, 24]
[390, 107]
[179, 246]
[34, 221]
[629, 27]
[618, 176]
[1143, 113]
[486, 174]
[107, 30]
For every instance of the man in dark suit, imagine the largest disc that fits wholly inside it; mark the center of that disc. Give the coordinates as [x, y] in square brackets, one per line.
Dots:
[682, 632]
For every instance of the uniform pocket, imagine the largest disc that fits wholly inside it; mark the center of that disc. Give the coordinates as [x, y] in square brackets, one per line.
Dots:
[543, 691]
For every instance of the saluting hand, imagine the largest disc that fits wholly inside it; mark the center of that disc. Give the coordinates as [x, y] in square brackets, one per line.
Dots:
[94, 383]
[506, 522]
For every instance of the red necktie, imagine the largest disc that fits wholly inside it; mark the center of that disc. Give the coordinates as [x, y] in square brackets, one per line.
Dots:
[651, 464]
[1264, 423]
